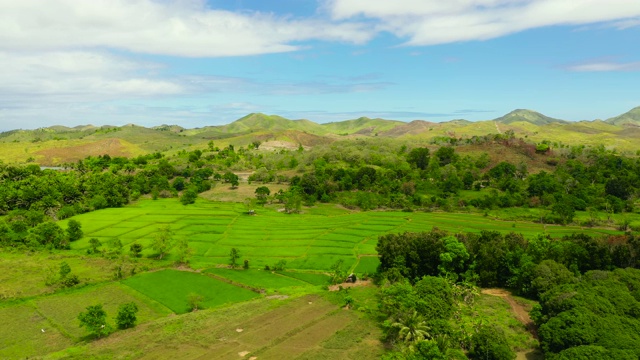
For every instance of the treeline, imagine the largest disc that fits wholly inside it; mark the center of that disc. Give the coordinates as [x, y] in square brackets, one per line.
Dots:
[585, 295]
[31, 198]
[491, 259]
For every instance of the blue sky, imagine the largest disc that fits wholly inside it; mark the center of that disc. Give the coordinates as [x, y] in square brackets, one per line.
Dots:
[197, 63]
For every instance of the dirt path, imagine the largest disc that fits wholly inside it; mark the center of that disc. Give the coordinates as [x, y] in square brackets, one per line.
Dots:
[523, 316]
[521, 313]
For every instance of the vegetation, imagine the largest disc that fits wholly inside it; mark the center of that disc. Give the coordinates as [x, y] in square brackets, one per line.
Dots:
[554, 223]
[95, 320]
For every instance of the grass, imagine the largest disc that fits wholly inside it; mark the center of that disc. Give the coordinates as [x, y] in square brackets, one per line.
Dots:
[21, 333]
[367, 264]
[494, 310]
[313, 279]
[171, 288]
[24, 274]
[257, 278]
[62, 309]
[272, 328]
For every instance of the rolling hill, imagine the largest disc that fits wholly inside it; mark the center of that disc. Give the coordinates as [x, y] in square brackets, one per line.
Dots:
[55, 145]
[529, 116]
[630, 118]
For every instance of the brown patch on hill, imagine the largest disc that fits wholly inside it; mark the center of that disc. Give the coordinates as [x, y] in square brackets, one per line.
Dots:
[291, 139]
[514, 152]
[55, 156]
[413, 128]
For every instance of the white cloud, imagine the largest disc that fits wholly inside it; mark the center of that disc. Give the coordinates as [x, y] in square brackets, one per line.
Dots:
[604, 66]
[77, 76]
[429, 22]
[173, 27]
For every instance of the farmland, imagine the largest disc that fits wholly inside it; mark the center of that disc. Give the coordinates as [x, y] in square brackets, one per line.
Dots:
[171, 288]
[312, 241]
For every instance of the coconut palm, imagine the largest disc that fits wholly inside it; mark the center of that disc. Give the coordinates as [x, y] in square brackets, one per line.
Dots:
[412, 329]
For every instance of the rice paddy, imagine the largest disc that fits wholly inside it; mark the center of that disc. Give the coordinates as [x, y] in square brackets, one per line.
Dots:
[314, 240]
[172, 289]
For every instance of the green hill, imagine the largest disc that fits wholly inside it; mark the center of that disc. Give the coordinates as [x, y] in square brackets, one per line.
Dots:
[260, 122]
[529, 116]
[362, 125]
[630, 118]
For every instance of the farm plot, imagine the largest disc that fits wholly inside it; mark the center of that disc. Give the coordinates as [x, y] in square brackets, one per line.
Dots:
[367, 264]
[25, 333]
[271, 327]
[311, 278]
[63, 309]
[307, 241]
[172, 289]
[257, 278]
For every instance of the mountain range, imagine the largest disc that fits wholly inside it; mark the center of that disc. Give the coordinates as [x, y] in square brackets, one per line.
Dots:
[57, 144]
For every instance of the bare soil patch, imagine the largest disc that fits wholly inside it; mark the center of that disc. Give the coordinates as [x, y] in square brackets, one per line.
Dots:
[350, 285]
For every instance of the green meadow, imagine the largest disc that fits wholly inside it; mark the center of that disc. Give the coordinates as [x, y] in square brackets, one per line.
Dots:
[311, 241]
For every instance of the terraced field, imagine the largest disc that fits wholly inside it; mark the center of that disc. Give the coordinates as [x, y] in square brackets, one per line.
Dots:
[313, 240]
[310, 241]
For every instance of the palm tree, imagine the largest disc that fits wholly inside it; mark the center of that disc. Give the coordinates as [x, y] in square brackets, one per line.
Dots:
[412, 329]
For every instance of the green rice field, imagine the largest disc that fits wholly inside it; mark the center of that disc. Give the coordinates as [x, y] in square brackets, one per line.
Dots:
[257, 278]
[313, 240]
[171, 288]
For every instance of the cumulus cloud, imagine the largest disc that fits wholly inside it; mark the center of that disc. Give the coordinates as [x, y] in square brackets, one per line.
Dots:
[185, 28]
[82, 74]
[430, 22]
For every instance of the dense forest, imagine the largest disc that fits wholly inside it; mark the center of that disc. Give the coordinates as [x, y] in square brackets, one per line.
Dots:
[587, 287]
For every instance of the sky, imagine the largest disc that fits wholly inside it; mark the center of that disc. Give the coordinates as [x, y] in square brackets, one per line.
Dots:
[209, 62]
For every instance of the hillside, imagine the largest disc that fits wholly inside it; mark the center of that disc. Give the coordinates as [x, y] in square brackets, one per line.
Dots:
[529, 116]
[259, 122]
[55, 145]
[362, 126]
[630, 118]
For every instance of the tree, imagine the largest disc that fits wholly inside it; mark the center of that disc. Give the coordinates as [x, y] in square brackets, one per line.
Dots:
[189, 196]
[115, 248]
[184, 251]
[48, 234]
[195, 301]
[74, 230]
[337, 272]
[490, 343]
[163, 241]
[67, 279]
[95, 320]
[412, 328]
[232, 179]
[419, 157]
[126, 317]
[262, 193]
[94, 243]
[234, 255]
[135, 249]
[452, 260]
[446, 155]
